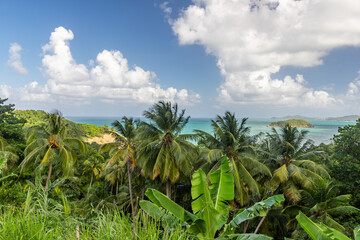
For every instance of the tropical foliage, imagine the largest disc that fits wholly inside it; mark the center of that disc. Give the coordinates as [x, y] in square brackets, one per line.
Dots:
[209, 205]
[52, 142]
[163, 150]
[289, 157]
[232, 138]
[226, 184]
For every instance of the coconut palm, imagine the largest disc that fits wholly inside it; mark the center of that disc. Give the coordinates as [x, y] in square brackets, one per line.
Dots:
[52, 142]
[322, 203]
[288, 154]
[163, 150]
[94, 163]
[231, 138]
[123, 151]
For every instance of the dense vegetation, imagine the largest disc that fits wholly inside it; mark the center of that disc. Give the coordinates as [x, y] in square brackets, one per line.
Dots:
[33, 118]
[292, 123]
[153, 182]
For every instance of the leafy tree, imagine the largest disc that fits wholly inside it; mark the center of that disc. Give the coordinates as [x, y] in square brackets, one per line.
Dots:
[123, 150]
[94, 163]
[231, 138]
[288, 156]
[163, 151]
[50, 142]
[322, 204]
[10, 125]
[7, 152]
[345, 162]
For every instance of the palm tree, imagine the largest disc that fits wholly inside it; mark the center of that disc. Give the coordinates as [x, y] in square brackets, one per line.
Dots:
[163, 150]
[123, 151]
[321, 204]
[94, 164]
[231, 138]
[288, 155]
[52, 141]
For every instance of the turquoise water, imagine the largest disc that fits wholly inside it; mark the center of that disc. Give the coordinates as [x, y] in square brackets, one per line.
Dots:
[321, 133]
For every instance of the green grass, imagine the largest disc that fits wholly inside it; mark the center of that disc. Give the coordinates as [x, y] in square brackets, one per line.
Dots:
[16, 225]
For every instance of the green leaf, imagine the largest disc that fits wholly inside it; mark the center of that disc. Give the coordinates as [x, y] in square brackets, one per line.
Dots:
[357, 233]
[200, 192]
[198, 227]
[152, 209]
[162, 200]
[222, 189]
[257, 210]
[248, 236]
[203, 204]
[319, 231]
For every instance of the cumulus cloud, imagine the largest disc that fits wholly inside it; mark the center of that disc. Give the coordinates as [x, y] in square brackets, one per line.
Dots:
[5, 91]
[353, 91]
[109, 78]
[254, 39]
[15, 59]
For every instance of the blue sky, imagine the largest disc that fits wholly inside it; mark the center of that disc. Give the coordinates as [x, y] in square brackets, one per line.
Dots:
[209, 56]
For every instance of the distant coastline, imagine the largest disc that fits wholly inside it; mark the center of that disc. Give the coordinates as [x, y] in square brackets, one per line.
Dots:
[348, 118]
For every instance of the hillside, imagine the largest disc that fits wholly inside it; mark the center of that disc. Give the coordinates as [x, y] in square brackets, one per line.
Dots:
[349, 118]
[293, 123]
[298, 117]
[36, 117]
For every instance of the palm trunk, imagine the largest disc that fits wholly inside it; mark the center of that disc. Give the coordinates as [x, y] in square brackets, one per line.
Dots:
[143, 193]
[246, 225]
[168, 188]
[92, 177]
[117, 188]
[49, 174]
[261, 222]
[130, 191]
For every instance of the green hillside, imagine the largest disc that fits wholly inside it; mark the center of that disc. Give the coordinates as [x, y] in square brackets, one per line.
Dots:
[292, 123]
[36, 117]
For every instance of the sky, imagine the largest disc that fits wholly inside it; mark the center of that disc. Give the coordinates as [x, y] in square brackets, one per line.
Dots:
[257, 58]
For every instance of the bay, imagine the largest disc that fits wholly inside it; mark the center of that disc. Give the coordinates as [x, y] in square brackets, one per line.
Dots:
[323, 131]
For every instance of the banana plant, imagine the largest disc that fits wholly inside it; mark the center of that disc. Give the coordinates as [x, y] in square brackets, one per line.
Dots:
[323, 232]
[210, 206]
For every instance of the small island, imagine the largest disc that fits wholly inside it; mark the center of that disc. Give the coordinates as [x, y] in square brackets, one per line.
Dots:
[293, 123]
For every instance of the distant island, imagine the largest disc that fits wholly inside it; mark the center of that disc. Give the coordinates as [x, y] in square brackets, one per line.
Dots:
[293, 123]
[348, 118]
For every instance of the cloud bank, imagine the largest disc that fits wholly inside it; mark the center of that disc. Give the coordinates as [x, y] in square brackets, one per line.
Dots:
[109, 79]
[254, 39]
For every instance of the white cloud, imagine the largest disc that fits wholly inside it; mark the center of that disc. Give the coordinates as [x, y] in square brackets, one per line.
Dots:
[109, 78]
[167, 10]
[254, 39]
[354, 89]
[5, 91]
[165, 7]
[15, 59]
[34, 92]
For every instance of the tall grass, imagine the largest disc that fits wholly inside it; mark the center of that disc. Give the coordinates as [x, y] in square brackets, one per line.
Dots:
[16, 224]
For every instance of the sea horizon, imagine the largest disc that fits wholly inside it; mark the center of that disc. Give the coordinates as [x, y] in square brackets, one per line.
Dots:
[323, 130]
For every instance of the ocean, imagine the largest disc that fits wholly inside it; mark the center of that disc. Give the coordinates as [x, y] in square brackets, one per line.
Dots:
[323, 131]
